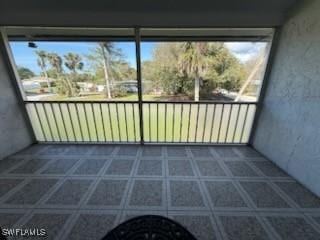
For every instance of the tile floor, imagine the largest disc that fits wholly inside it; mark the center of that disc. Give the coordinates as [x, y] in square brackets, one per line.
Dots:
[81, 192]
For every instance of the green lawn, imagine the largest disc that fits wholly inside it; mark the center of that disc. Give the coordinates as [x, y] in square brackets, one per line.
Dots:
[97, 97]
[167, 122]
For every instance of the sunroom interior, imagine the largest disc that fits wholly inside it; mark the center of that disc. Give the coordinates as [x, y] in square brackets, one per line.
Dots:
[164, 127]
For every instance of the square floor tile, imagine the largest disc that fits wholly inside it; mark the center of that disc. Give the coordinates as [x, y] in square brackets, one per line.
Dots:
[30, 166]
[269, 169]
[293, 228]
[200, 152]
[263, 195]
[51, 222]
[70, 192]
[177, 152]
[225, 152]
[147, 193]
[240, 169]
[151, 151]
[79, 150]
[150, 168]
[90, 166]
[8, 163]
[33, 149]
[137, 213]
[243, 228]
[8, 184]
[91, 226]
[130, 151]
[60, 166]
[248, 152]
[210, 168]
[102, 150]
[54, 150]
[200, 226]
[301, 195]
[224, 194]
[120, 167]
[7, 220]
[108, 193]
[186, 194]
[317, 219]
[180, 168]
[32, 192]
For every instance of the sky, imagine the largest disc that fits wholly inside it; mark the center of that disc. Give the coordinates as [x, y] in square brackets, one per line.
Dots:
[26, 57]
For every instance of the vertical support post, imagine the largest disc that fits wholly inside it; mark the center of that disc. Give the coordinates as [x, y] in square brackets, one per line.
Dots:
[138, 60]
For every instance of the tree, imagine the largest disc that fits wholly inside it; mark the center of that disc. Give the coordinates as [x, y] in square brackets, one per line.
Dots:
[42, 63]
[104, 57]
[162, 70]
[25, 73]
[174, 67]
[73, 63]
[194, 61]
[123, 71]
[56, 62]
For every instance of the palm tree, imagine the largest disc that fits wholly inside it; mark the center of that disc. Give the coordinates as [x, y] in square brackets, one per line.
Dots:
[106, 56]
[106, 51]
[42, 63]
[73, 62]
[56, 62]
[193, 61]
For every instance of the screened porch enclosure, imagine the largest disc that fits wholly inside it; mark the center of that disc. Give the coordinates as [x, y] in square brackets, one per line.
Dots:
[223, 114]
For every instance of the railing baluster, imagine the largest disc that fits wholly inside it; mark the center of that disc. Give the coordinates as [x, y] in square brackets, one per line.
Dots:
[195, 135]
[181, 113]
[227, 131]
[42, 129]
[221, 118]
[134, 122]
[236, 124]
[110, 122]
[119, 133]
[212, 122]
[47, 120]
[244, 123]
[190, 105]
[94, 121]
[55, 121]
[173, 113]
[149, 122]
[64, 124]
[125, 118]
[205, 122]
[71, 121]
[157, 123]
[165, 122]
[86, 117]
[79, 122]
[102, 120]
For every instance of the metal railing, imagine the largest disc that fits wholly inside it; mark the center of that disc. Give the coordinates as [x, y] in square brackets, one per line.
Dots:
[163, 122]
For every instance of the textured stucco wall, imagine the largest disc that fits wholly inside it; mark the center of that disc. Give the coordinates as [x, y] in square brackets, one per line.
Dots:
[14, 135]
[288, 130]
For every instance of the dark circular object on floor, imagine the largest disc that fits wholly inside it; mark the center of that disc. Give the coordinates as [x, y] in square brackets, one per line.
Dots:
[149, 227]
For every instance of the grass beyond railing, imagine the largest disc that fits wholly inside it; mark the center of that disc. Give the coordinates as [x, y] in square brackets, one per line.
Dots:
[163, 122]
